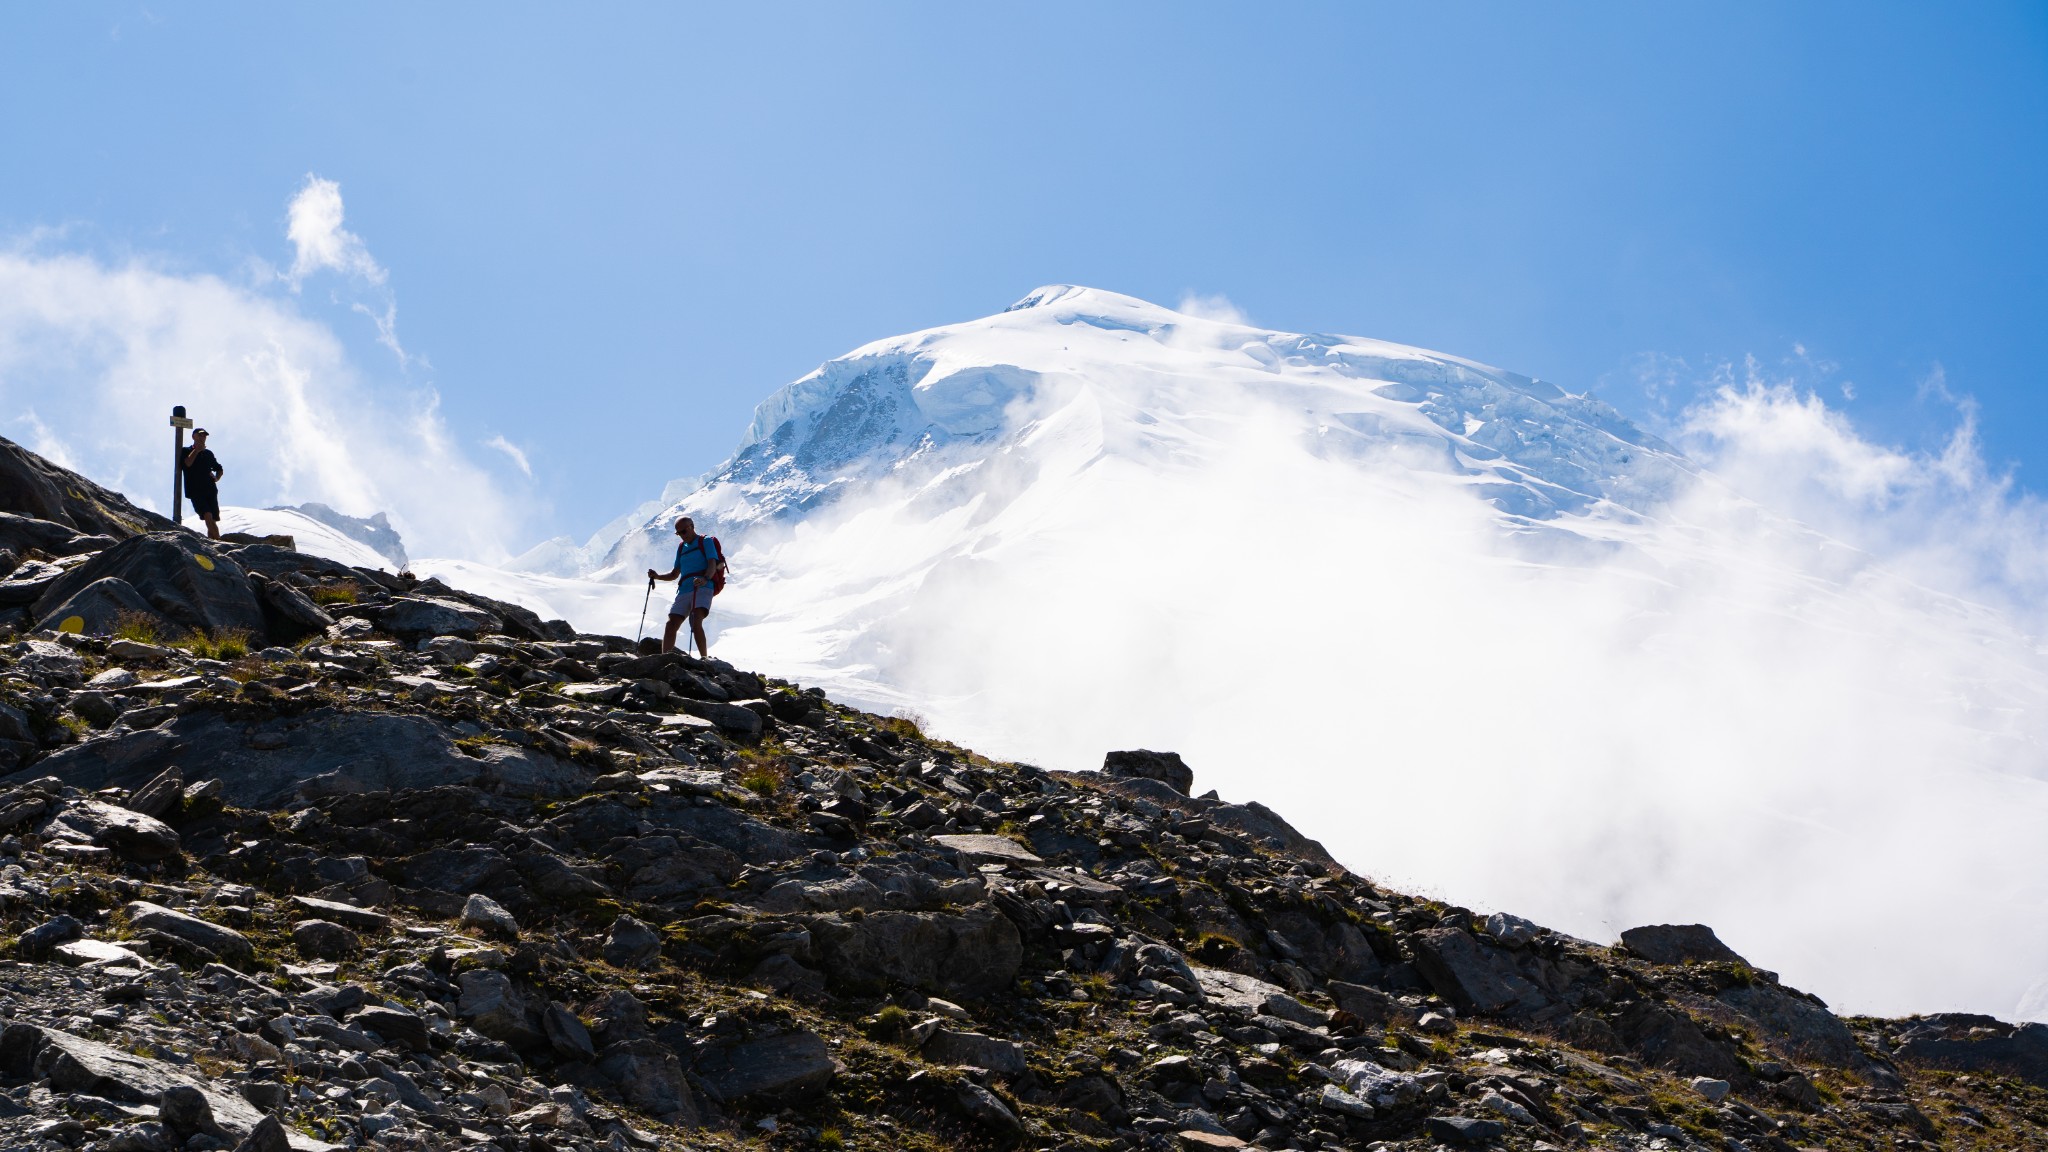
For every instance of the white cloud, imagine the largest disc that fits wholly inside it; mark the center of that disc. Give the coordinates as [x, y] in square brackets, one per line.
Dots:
[1725, 718]
[101, 351]
[319, 240]
[517, 455]
[1215, 307]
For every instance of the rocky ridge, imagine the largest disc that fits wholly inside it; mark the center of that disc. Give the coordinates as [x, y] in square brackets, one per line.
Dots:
[299, 855]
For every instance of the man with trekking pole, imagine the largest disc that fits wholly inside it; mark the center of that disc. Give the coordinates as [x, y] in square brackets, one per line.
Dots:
[700, 569]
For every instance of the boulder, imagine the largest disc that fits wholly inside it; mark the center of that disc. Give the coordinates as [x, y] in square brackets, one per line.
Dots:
[32, 487]
[218, 939]
[631, 944]
[192, 584]
[362, 919]
[46, 661]
[1679, 944]
[1144, 764]
[395, 1025]
[161, 794]
[986, 1108]
[289, 615]
[325, 940]
[1473, 976]
[494, 1006]
[649, 1076]
[974, 1050]
[185, 1111]
[566, 1034]
[129, 833]
[970, 953]
[486, 915]
[782, 1068]
[412, 618]
[102, 607]
[1465, 1131]
[732, 718]
[74, 1064]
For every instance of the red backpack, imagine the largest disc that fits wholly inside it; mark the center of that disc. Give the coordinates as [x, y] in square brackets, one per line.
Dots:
[718, 573]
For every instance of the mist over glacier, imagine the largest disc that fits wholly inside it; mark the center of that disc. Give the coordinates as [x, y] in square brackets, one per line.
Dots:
[1481, 636]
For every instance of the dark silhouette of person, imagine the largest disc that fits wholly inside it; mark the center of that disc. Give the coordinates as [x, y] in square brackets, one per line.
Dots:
[202, 482]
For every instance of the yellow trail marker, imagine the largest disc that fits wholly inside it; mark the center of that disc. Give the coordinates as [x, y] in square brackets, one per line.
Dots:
[72, 624]
[205, 562]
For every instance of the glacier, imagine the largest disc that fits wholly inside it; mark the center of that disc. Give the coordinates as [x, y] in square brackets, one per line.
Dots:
[1495, 640]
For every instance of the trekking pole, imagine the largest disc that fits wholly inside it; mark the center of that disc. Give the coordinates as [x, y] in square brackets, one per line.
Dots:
[642, 631]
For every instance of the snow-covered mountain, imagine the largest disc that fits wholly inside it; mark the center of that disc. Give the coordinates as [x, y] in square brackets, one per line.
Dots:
[1498, 640]
[365, 541]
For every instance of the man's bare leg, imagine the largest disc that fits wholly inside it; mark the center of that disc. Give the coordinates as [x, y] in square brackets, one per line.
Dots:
[697, 630]
[212, 527]
[668, 634]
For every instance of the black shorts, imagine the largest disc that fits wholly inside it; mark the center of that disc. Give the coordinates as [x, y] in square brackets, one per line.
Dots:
[205, 504]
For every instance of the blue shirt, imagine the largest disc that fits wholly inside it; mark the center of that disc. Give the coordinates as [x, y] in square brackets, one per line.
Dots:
[693, 558]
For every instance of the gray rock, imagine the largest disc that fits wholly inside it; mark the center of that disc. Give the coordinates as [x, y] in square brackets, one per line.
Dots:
[323, 752]
[325, 940]
[494, 1007]
[129, 833]
[289, 615]
[268, 1135]
[47, 661]
[39, 493]
[1512, 931]
[184, 1109]
[974, 1050]
[161, 795]
[75, 1064]
[566, 1033]
[1473, 976]
[1679, 944]
[38, 941]
[395, 1025]
[970, 953]
[220, 940]
[103, 607]
[489, 917]
[785, 1067]
[1166, 767]
[986, 1108]
[189, 582]
[631, 944]
[95, 708]
[650, 1077]
[362, 919]
[976, 849]
[1710, 1088]
[414, 617]
[732, 718]
[1368, 1004]
[1465, 1131]
[1963, 1042]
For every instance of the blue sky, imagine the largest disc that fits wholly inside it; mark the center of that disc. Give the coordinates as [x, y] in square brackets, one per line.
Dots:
[608, 231]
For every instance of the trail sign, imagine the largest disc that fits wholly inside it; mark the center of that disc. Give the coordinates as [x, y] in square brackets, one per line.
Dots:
[179, 422]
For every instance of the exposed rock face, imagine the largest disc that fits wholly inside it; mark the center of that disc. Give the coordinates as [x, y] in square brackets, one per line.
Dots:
[31, 486]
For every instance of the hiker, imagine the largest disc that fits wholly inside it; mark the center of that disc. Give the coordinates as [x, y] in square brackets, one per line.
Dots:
[700, 566]
[202, 475]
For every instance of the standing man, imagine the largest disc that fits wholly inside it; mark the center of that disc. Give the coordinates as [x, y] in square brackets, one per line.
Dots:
[202, 477]
[700, 565]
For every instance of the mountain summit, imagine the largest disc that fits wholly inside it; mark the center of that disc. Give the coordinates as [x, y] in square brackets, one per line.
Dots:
[1069, 375]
